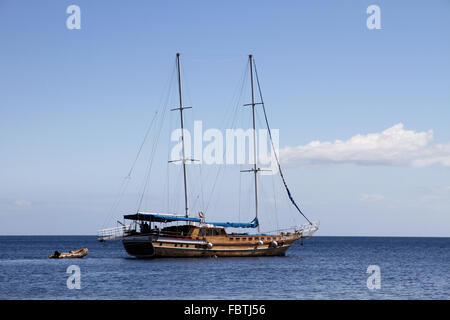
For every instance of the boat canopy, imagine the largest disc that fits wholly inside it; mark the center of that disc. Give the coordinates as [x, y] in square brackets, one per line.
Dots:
[157, 217]
[166, 217]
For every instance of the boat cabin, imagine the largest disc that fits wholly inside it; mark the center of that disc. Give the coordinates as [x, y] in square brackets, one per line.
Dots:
[147, 223]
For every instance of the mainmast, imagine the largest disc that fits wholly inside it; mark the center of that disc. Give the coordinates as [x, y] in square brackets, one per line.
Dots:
[186, 207]
[255, 168]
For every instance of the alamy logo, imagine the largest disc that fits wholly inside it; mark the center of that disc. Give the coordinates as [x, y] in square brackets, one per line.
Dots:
[74, 20]
[74, 280]
[237, 147]
[374, 280]
[374, 20]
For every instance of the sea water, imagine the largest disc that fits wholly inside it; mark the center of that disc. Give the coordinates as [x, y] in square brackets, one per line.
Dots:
[322, 268]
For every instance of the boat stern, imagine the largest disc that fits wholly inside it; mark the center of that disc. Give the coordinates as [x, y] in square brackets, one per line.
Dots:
[139, 246]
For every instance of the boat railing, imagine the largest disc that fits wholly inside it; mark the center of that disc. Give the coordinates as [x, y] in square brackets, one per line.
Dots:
[306, 229]
[309, 229]
[113, 233]
[119, 232]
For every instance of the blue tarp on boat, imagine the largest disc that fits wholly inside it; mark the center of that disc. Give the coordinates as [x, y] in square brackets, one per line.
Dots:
[252, 224]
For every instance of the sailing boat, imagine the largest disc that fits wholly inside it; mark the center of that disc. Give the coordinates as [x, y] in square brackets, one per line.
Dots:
[195, 237]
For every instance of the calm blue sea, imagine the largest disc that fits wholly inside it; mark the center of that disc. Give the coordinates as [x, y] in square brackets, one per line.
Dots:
[323, 268]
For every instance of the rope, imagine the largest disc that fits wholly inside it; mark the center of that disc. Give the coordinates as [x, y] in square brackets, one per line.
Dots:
[156, 142]
[275, 152]
[125, 181]
[232, 120]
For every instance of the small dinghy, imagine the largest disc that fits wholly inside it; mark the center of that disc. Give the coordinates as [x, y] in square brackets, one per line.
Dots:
[80, 253]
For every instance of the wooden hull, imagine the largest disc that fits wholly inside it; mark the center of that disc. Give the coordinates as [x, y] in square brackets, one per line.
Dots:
[160, 247]
[197, 253]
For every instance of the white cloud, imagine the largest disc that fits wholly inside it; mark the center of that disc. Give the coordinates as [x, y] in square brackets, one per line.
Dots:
[371, 197]
[392, 147]
[22, 203]
[429, 197]
[431, 194]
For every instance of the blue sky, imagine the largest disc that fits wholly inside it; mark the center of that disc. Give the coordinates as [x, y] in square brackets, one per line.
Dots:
[75, 104]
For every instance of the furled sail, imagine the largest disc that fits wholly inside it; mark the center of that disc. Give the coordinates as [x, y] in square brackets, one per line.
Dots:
[253, 224]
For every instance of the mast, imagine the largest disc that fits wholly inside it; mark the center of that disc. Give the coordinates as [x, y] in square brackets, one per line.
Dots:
[186, 208]
[255, 169]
